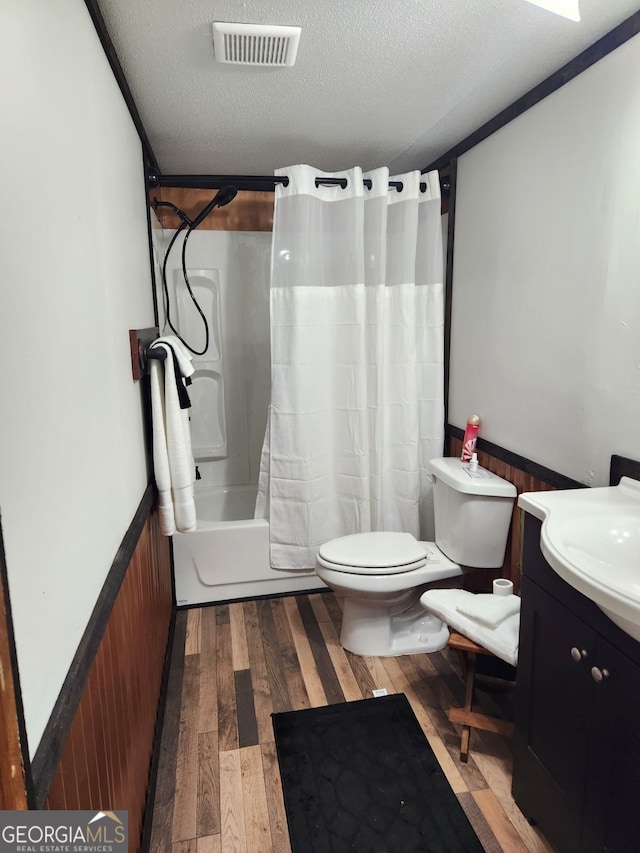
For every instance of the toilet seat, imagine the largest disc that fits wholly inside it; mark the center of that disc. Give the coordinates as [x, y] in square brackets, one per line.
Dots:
[378, 553]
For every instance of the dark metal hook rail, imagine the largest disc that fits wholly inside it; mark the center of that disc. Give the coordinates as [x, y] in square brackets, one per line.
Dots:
[263, 183]
[159, 353]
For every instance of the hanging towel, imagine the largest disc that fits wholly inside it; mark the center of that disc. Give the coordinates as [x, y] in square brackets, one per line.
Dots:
[502, 641]
[173, 463]
[490, 610]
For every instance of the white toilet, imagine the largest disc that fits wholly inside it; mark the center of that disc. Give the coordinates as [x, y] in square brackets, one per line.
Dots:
[382, 575]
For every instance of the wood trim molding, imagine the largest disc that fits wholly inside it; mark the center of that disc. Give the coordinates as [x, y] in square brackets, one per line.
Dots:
[597, 51]
[622, 466]
[448, 281]
[15, 778]
[49, 751]
[152, 266]
[165, 749]
[110, 52]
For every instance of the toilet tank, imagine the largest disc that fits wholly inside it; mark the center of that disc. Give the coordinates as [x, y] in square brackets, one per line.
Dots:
[472, 513]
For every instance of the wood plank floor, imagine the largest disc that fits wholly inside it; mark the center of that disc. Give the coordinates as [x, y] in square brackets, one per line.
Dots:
[233, 665]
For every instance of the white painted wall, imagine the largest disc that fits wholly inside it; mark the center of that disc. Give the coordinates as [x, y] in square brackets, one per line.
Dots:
[546, 296]
[74, 275]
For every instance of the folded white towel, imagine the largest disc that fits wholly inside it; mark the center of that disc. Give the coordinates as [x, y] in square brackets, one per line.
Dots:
[173, 463]
[490, 610]
[502, 641]
[161, 471]
[183, 355]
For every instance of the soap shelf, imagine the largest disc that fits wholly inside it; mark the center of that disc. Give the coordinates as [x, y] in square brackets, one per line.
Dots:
[208, 424]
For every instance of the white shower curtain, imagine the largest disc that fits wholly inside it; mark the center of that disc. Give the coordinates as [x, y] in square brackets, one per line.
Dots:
[356, 359]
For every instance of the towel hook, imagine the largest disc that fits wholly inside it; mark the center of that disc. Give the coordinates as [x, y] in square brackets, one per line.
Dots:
[139, 342]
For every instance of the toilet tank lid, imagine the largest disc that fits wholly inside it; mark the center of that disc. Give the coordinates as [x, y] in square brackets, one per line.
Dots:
[456, 474]
[377, 550]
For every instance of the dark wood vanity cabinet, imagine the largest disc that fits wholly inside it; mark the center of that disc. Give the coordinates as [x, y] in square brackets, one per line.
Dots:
[577, 730]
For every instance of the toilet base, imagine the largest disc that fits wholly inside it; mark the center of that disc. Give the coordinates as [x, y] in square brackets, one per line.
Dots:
[382, 632]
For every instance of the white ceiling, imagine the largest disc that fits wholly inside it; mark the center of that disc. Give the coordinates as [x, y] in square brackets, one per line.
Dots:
[375, 83]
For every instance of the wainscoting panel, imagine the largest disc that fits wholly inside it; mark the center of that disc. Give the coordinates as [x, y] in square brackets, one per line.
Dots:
[249, 211]
[524, 482]
[13, 754]
[107, 754]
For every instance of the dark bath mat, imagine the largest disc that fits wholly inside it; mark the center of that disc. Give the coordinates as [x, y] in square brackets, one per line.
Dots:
[361, 776]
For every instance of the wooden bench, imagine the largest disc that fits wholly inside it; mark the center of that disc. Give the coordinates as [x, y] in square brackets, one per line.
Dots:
[466, 716]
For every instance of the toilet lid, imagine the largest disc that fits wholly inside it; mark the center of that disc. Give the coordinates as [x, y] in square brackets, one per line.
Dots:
[379, 553]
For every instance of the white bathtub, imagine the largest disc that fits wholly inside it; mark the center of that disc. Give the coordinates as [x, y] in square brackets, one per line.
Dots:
[228, 555]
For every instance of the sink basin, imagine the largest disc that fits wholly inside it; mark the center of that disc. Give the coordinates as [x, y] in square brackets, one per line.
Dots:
[591, 538]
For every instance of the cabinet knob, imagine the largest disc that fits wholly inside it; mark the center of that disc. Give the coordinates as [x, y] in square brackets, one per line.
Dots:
[599, 674]
[578, 654]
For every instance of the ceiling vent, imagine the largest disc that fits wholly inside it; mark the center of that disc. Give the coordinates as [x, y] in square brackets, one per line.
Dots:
[254, 44]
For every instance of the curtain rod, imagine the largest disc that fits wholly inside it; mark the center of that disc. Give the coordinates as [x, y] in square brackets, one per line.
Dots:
[261, 183]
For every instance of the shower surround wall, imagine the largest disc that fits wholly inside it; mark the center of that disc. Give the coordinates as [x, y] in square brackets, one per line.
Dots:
[229, 270]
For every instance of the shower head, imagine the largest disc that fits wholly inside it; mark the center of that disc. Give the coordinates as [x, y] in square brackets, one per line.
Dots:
[222, 197]
[225, 195]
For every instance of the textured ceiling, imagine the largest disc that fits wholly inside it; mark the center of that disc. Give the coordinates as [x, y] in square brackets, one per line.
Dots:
[376, 83]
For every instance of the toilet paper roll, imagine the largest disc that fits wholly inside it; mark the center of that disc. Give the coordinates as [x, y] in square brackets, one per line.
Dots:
[502, 586]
